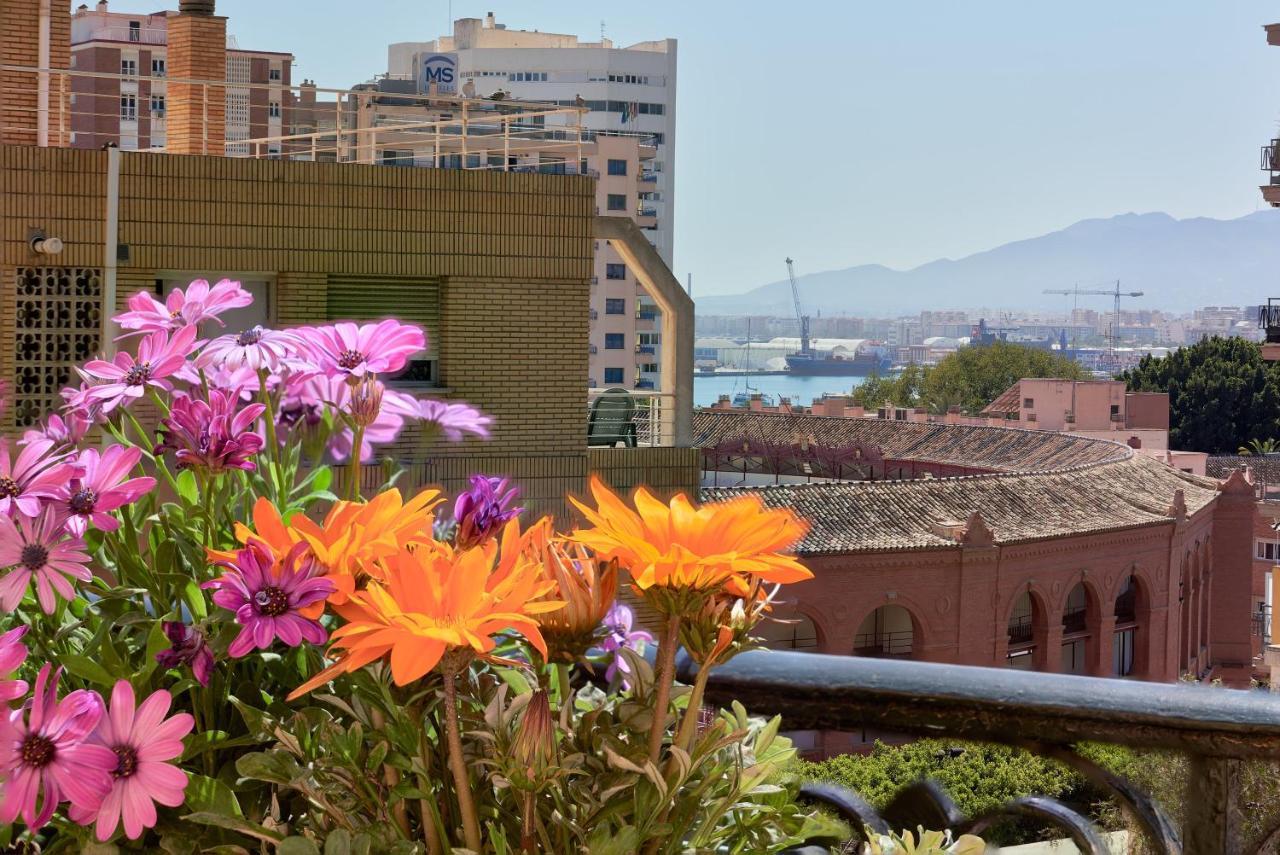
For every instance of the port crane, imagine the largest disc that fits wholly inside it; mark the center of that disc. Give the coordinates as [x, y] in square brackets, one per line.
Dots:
[801, 317]
[1115, 321]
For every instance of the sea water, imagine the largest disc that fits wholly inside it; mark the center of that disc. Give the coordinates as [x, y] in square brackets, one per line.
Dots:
[707, 388]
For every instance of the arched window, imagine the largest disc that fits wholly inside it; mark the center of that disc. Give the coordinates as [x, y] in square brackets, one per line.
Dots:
[1022, 633]
[1123, 643]
[886, 632]
[1075, 621]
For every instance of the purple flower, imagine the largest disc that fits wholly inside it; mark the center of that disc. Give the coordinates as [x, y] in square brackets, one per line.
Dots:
[200, 302]
[12, 654]
[267, 599]
[40, 549]
[453, 419]
[101, 486]
[61, 431]
[212, 435]
[482, 510]
[620, 636]
[187, 647]
[347, 350]
[33, 476]
[126, 378]
[255, 348]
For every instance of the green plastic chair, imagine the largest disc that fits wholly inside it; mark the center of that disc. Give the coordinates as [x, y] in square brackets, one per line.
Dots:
[611, 419]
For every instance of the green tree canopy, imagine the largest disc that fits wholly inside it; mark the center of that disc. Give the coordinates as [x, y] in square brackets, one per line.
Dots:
[969, 379]
[1222, 394]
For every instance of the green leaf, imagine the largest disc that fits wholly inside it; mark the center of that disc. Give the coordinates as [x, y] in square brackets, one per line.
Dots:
[208, 795]
[298, 846]
[194, 598]
[266, 766]
[86, 669]
[338, 842]
[232, 823]
[187, 487]
[609, 841]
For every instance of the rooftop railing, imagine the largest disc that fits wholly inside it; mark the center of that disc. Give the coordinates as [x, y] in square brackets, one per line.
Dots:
[92, 110]
[1047, 714]
[653, 417]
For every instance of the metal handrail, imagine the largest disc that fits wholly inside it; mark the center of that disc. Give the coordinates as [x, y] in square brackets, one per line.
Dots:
[1045, 713]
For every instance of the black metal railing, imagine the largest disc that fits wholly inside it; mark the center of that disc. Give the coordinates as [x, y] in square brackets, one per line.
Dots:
[1073, 621]
[883, 643]
[1020, 630]
[1044, 713]
[1269, 319]
[1271, 159]
[1127, 606]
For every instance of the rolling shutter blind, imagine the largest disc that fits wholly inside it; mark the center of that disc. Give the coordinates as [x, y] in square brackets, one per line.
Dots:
[414, 301]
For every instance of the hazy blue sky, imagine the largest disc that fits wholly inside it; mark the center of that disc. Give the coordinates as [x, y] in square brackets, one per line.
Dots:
[894, 131]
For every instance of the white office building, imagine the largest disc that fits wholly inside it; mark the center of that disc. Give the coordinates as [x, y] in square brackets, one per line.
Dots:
[630, 92]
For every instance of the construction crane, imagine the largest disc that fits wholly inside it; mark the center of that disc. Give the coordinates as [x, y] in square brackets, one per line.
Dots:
[801, 317]
[1115, 321]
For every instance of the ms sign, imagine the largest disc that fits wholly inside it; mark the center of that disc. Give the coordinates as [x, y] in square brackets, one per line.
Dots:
[440, 69]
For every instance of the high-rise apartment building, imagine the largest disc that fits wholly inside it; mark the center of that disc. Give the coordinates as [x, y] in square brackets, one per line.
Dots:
[130, 107]
[630, 93]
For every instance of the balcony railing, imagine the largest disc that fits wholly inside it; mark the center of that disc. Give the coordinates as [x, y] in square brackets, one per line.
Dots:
[1271, 160]
[1269, 319]
[649, 177]
[137, 35]
[1073, 621]
[364, 125]
[883, 644]
[646, 348]
[1048, 714]
[646, 314]
[1020, 631]
[654, 412]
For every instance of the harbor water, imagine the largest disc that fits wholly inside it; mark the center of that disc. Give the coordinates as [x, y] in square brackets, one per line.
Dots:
[707, 388]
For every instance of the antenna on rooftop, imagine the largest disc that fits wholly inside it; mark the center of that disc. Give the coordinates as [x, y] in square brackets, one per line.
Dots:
[602, 30]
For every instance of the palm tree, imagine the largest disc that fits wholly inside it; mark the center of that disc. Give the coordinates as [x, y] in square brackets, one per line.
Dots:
[1259, 447]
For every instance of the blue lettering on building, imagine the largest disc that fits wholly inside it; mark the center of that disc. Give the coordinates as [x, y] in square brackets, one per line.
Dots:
[440, 69]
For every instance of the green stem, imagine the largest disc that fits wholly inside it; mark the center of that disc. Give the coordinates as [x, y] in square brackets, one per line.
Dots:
[662, 688]
[689, 724]
[273, 446]
[391, 776]
[566, 689]
[457, 765]
[353, 470]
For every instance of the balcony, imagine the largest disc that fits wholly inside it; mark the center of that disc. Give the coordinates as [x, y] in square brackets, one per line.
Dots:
[649, 177]
[884, 645]
[1074, 621]
[1048, 714]
[1271, 165]
[136, 35]
[646, 314]
[650, 416]
[648, 349]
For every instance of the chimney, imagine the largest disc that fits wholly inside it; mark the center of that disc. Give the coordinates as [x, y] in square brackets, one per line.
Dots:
[490, 22]
[102, 5]
[29, 100]
[197, 51]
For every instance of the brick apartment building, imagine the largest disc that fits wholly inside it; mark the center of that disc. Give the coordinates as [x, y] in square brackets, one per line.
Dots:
[129, 106]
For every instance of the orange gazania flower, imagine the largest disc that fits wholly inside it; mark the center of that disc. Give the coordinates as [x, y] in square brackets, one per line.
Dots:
[353, 539]
[678, 546]
[586, 586]
[433, 599]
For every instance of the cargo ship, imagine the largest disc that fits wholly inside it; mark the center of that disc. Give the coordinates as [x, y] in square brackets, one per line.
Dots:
[862, 363]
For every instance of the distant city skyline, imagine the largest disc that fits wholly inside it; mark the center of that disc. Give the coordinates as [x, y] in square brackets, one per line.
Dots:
[894, 134]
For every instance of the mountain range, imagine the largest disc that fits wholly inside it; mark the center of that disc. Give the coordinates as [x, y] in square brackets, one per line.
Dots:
[1179, 264]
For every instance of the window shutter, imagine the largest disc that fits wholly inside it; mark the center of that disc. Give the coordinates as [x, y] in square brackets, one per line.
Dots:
[372, 298]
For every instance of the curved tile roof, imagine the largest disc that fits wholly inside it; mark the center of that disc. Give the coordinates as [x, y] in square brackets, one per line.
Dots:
[1045, 484]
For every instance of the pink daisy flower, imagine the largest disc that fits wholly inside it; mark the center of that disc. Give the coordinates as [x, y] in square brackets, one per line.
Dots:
[46, 759]
[347, 350]
[453, 419]
[212, 435]
[33, 476]
[256, 348]
[126, 378]
[199, 302]
[267, 600]
[12, 654]
[59, 430]
[142, 742]
[40, 548]
[103, 485]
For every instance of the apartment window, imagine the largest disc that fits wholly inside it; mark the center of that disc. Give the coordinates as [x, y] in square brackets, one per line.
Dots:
[617, 202]
[1267, 551]
[158, 68]
[135, 31]
[612, 376]
[615, 306]
[157, 106]
[617, 167]
[649, 367]
[274, 74]
[273, 109]
[128, 108]
[1028, 403]
[614, 341]
[129, 67]
[615, 271]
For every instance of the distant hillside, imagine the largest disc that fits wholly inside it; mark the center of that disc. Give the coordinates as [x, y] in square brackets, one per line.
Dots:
[1180, 264]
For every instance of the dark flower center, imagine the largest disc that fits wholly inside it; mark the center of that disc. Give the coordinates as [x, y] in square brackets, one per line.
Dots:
[38, 751]
[349, 359]
[250, 336]
[138, 374]
[126, 761]
[271, 602]
[176, 314]
[83, 501]
[34, 556]
[9, 487]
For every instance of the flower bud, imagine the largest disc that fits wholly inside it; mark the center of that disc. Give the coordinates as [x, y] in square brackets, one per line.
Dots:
[366, 401]
[534, 749]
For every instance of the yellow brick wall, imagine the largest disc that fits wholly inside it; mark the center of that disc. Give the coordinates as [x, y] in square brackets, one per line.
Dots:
[19, 45]
[514, 253]
[196, 121]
